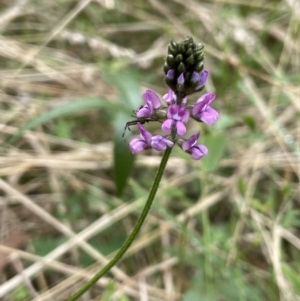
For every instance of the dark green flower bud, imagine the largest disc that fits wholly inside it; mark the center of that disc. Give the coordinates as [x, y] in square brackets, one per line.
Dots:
[172, 50]
[199, 47]
[199, 67]
[170, 60]
[188, 76]
[190, 60]
[199, 56]
[166, 68]
[178, 58]
[189, 52]
[173, 44]
[181, 67]
[169, 82]
[181, 48]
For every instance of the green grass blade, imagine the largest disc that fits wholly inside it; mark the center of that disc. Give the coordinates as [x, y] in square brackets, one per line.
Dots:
[68, 108]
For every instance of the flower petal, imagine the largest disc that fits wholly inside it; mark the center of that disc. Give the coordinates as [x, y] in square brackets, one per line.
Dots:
[199, 151]
[203, 78]
[209, 116]
[180, 79]
[167, 125]
[207, 98]
[151, 97]
[180, 128]
[184, 114]
[145, 111]
[169, 97]
[137, 145]
[173, 111]
[189, 143]
[160, 143]
[195, 78]
[145, 134]
[171, 74]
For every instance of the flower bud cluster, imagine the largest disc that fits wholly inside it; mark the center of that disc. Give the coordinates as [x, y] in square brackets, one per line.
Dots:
[183, 67]
[184, 76]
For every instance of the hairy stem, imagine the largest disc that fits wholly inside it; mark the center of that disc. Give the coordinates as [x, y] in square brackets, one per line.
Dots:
[134, 232]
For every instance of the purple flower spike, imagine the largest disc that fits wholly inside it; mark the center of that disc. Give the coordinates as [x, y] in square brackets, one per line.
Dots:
[203, 112]
[177, 116]
[152, 103]
[169, 97]
[196, 150]
[160, 143]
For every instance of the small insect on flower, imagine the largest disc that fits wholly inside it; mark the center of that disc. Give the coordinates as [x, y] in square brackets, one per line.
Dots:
[135, 122]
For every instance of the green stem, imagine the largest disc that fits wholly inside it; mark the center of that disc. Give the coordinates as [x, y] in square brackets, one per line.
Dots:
[134, 232]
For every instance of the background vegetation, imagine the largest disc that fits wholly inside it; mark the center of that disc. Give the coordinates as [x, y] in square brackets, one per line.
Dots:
[223, 229]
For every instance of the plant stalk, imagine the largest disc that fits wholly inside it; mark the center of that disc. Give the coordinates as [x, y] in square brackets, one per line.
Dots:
[134, 232]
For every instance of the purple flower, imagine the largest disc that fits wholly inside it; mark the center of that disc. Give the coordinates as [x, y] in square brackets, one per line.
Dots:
[203, 112]
[180, 79]
[199, 78]
[160, 143]
[169, 97]
[152, 103]
[171, 74]
[177, 116]
[157, 142]
[197, 151]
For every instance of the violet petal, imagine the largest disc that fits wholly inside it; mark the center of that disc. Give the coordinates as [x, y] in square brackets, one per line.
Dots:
[209, 116]
[207, 98]
[160, 143]
[145, 111]
[180, 128]
[169, 97]
[184, 114]
[171, 74]
[203, 79]
[137, 145]
[180, 79]
[151, 97]
[199, 151]
[145, 134]
[167, 125]
[191, 141]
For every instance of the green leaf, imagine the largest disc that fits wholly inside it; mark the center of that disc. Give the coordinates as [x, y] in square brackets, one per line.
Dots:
[128, 84]
[21, 293]
[216, 147]
[123, 159]
[225, 122]
[45, 245]
[250, 121]
[130, 98]
[291, 218]
[293, 277]
[61, 110]
[191, 295]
